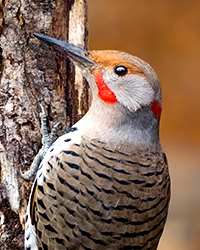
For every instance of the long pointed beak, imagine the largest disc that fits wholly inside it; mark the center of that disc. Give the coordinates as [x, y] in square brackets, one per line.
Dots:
[76, 53]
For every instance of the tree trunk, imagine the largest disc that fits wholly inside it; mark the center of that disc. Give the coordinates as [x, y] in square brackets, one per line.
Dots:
[30, 72]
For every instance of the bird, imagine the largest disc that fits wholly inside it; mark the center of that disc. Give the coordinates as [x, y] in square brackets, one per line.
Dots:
[105, 183]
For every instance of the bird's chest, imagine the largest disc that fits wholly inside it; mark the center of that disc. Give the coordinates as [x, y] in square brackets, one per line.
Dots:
[111, 197]
[113, 183]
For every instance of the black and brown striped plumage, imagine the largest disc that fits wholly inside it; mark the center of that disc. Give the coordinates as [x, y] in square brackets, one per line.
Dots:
[95, 198]
[105, 184]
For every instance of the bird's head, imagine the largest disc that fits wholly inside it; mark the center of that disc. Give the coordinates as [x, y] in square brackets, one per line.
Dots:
[126, 79]
[118, 76]
[126, 91]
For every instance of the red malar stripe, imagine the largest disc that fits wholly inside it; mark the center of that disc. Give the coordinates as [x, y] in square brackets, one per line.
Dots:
[156, 109]
[104, 92]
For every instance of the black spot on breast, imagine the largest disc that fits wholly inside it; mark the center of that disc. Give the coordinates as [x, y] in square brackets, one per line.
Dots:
[67, 140]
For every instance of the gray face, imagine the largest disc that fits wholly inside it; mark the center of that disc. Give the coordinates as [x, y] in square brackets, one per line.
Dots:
[135, 85]
[132, 91]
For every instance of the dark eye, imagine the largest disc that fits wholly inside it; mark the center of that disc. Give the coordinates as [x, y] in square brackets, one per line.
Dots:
[120, 70]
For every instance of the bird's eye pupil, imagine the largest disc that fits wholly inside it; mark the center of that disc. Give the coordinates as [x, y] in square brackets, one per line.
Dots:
[120, 70]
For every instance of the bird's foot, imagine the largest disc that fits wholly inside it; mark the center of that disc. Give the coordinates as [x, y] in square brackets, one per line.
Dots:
[47, 141]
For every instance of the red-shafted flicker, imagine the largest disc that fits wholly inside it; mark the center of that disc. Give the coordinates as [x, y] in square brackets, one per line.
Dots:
[105, 183]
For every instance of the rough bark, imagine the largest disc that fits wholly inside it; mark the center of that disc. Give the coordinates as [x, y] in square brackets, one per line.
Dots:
[30, 72]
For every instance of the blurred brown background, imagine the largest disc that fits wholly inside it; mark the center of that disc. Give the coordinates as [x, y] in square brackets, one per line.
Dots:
[166, 34]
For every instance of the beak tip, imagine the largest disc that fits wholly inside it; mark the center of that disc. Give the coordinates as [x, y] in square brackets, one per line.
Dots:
[37, 35]
[42, 38]
[76, 53]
